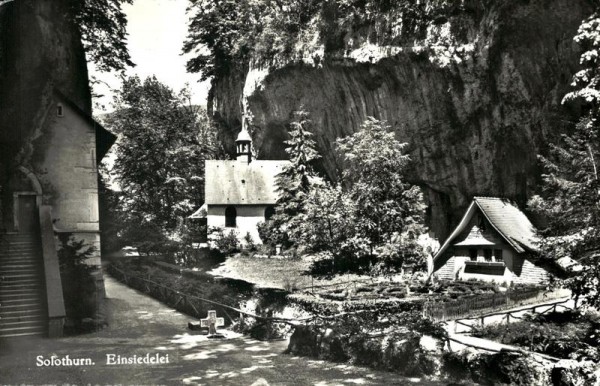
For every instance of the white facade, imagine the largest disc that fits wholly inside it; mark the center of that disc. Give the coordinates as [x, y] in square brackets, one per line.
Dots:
[247, 219]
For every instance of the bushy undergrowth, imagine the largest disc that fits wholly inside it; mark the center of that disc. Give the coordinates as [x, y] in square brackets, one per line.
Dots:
[78, 282]
[503, 368]
[386, 336]
[569, 334]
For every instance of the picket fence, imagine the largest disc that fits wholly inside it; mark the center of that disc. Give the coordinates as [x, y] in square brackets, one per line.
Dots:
[480, 304]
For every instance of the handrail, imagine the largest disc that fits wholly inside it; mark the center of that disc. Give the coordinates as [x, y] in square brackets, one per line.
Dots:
[54, 292]
[293, 322]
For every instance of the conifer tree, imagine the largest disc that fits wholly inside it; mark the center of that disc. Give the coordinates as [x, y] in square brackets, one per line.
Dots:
[294, 182]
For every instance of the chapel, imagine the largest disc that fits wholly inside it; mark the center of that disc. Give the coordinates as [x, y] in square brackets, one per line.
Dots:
[241, 193]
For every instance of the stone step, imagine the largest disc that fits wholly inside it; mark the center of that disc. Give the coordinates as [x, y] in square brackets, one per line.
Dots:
[11, 299]
[12, 258]
[37, 312]
[19, 264]
[38, 322]
[25, 305]
[23, 318]
[17, 276]
[33, 269]
[22, 300]
[22, 331]
[15, 287]
[23, 253]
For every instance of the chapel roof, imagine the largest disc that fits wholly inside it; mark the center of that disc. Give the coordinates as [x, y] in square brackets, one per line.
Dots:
[240, 183]
[505, 217]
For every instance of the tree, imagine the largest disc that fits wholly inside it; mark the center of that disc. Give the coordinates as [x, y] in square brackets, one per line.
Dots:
[163, 143]
[295, 180]
[374, 215]
[390, 210]
[103, 28]
[570, 193]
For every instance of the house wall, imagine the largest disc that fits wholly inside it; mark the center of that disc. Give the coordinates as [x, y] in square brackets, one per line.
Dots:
[507, 256]
[529, 273]
[68, 174]
[248, 217]
[518, 268]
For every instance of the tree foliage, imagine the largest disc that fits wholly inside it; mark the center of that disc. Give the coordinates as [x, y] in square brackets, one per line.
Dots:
[295, 180]
[375, 215]
[375, 168]
[570, 194]
[163, 143]
[103, 28]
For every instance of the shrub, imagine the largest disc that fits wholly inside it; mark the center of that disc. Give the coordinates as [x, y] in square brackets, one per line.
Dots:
[78, 282]
[250, 244]
[226, 243]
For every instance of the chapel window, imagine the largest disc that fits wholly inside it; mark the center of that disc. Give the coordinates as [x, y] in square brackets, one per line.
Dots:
[473, 254]
[59, 110]
[230, 217]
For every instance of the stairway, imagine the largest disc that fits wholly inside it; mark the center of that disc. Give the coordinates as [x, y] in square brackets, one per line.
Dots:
[22, 292]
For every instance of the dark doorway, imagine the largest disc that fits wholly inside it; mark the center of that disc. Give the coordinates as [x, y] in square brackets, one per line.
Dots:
[27, 213]
[230, 217]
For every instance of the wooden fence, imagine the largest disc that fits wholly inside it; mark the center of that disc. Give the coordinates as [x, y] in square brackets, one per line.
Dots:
[478, 304]
[194, 305]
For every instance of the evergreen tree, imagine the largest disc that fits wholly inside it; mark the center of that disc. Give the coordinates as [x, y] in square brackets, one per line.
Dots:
[570, 195]
[294, 181]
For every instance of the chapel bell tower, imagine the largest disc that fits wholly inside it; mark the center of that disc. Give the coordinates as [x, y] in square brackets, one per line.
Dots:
[243, 145]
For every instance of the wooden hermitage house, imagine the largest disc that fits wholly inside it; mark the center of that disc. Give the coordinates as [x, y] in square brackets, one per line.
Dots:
[494, 241]
[241, 193]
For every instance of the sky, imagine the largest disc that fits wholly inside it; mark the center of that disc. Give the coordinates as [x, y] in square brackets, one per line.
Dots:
[157, 29]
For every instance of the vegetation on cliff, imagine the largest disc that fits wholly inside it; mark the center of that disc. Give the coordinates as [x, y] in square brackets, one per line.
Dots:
[225, 33]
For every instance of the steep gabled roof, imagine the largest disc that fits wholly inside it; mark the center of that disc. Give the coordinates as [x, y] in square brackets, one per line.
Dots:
[505, 217]
[240, 183]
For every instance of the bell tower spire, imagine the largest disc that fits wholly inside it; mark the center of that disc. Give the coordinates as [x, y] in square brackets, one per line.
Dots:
[243, 143]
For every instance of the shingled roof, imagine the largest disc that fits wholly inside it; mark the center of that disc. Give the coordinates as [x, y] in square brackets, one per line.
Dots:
[506, 218]
[236, 183]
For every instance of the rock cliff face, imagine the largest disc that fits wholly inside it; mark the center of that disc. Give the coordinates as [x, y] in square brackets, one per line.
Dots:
[40, 48]
[477, 96]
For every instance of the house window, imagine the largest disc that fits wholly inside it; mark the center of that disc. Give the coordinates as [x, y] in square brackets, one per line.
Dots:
[59, 110]
[269, 212]
[230, 217]
[487, 255]
[498, 255]
[473, 254]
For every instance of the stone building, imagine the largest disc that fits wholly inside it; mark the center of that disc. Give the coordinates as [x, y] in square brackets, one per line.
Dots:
[241, 193]
[494, 241]
[54, 192]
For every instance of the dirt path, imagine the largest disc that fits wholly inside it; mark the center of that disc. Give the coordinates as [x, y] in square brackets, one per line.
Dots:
[141, 325]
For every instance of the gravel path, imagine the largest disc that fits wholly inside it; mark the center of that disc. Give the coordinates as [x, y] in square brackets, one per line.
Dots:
[140, 325]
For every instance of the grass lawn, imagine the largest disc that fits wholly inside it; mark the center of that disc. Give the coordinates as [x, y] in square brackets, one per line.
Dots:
[287, 274]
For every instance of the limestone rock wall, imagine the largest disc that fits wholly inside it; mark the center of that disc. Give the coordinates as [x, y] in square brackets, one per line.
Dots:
[477, 97]
[40, 48]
